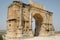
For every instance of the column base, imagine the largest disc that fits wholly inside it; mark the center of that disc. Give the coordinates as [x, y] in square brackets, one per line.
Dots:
[6, 37]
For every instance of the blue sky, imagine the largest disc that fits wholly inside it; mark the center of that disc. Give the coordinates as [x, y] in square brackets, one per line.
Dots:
[51, 5]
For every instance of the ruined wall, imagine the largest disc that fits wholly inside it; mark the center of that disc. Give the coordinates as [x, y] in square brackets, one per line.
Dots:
[19, 21]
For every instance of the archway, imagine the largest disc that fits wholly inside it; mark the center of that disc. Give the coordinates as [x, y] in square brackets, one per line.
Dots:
[37, 23]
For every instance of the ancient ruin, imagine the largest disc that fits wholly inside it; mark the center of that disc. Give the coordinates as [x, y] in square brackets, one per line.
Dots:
[19, 21]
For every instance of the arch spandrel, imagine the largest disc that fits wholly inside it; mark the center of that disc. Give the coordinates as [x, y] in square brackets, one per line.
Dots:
[43, 15]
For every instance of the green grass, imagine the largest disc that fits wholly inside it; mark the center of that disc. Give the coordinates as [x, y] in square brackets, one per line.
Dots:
[1, 37]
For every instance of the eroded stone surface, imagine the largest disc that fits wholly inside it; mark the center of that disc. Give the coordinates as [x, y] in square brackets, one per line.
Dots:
[19, 21]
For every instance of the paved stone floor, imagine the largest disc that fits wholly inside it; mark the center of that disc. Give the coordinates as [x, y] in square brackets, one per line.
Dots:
[56, 37]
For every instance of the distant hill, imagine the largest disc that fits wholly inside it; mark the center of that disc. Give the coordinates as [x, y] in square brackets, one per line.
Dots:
[58, 32]
[2, 31]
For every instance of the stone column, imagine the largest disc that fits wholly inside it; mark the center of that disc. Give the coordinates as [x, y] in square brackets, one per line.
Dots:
[51, 28]
[19, 30]
[27, 22]
[30, 24]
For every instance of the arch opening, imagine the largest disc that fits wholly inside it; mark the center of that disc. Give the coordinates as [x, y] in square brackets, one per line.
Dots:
[36, 24]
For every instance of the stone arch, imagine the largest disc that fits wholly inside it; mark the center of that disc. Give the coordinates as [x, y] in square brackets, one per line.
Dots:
[38, 22]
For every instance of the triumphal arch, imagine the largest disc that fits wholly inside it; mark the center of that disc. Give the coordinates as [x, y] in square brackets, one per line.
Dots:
[19, 21]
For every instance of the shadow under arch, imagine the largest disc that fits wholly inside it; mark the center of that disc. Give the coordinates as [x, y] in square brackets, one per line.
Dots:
[38, 22]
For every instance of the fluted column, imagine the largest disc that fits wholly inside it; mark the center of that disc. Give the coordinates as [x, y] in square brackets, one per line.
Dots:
[19, 31]
[30, 23]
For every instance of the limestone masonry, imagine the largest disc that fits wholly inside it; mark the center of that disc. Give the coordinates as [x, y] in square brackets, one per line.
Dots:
[19, 21]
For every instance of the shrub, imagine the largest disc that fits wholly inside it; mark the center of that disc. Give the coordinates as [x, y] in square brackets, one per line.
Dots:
[1, 37]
